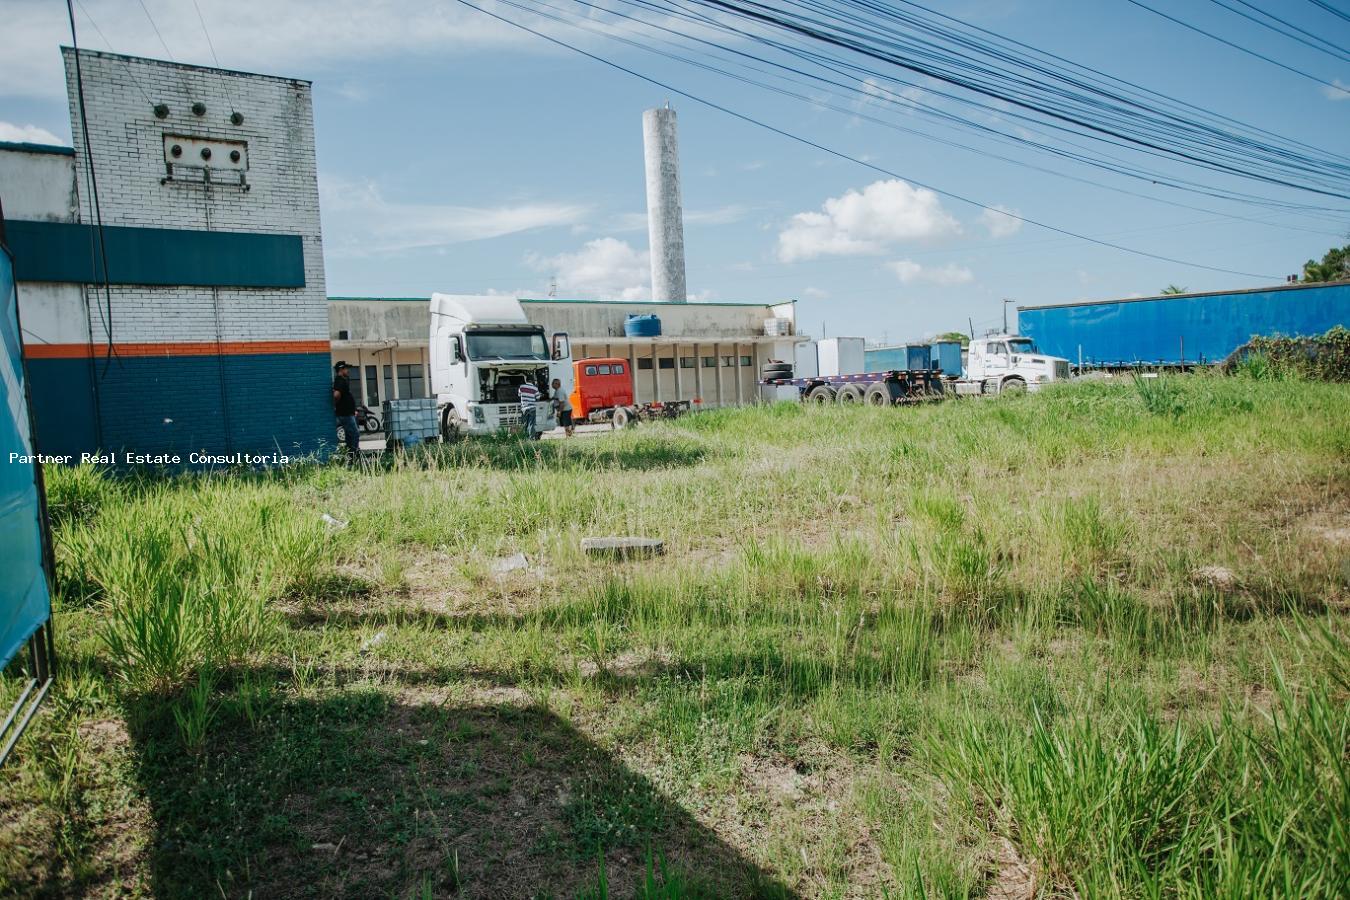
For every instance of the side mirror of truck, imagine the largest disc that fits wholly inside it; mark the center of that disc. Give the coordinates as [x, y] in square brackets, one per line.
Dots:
[562, 346]
[456, 350]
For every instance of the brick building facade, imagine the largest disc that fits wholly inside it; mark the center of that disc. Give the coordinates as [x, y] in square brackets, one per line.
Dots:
[212, 333]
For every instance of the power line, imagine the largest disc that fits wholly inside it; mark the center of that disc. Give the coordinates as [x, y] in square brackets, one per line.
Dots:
[647, 45]
[1335, 52]
[151, 18]
[1238, 47]
[1331, 9]
[840, 154]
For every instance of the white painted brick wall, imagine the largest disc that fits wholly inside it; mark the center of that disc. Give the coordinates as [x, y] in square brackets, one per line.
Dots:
[127, 145]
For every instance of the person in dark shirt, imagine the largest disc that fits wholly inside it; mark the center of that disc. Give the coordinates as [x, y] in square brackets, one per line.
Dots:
[344, 405]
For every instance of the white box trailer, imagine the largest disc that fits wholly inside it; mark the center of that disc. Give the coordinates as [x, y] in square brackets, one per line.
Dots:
[840, 355]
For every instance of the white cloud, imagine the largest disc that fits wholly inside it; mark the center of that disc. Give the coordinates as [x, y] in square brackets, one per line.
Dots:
[290, 38]
[908, 271]
[603, 269]
[721, 215]
[1001, 222]
[815, 293]
[1341, 90]
[27, 134]
[358, 220]
[884, 213]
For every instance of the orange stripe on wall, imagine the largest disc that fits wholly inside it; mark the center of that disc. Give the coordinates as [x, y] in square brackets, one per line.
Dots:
[193, 348]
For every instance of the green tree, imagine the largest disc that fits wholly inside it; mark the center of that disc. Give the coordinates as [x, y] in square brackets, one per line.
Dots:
[960, 336]
[1174, 289]
[1335, 266]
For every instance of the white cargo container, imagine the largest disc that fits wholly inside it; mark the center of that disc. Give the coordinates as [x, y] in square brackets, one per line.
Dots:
[804, 361]
[840, 356]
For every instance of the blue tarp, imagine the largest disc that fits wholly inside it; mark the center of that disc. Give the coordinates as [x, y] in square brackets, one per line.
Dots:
[24, 602]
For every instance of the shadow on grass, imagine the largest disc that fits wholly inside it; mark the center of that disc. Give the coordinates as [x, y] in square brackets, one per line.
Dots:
[603, 453]
[355, 795]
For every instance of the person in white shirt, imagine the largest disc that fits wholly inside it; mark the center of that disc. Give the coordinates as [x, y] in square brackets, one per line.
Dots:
[562, 407]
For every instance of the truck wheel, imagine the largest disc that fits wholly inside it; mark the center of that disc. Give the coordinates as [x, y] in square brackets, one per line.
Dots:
[849, 395]
[451, 426]
[883, 393]
[1013, 385]
[776, 371]
[820, 395]
[622, 417]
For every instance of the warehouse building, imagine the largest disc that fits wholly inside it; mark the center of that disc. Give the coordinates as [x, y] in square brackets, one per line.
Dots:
[709, 353]
[172, 293]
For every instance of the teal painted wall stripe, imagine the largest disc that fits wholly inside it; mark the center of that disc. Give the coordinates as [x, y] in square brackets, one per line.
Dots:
[64, 251]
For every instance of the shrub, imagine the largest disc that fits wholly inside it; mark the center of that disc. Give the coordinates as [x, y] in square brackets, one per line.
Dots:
[1325, 357]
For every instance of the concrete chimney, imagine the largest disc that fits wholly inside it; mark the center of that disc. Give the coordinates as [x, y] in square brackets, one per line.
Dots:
[665, 217]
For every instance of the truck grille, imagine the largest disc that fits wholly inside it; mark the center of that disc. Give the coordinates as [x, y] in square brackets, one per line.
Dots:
[1061, 370]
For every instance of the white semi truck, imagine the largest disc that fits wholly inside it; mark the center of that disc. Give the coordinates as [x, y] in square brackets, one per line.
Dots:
[482, 349]
[996, 364]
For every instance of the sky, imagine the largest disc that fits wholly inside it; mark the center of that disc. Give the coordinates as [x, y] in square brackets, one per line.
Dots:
[458, 154]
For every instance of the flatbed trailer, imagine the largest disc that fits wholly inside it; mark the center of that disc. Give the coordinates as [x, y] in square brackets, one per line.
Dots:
[889, 388]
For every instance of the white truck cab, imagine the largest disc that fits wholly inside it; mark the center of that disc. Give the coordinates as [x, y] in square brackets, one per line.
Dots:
[482, 349]
[1009, 362]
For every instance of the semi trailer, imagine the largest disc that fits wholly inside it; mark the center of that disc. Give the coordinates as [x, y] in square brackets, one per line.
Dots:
[1182, 330]
[996, 364]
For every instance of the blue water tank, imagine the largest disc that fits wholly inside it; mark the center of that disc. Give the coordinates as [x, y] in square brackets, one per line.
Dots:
[918, 357]
[642, 326]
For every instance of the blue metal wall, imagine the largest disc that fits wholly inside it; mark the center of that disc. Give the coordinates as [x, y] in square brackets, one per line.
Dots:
[24, 602]
[1210, 326]
[240, 403]
[885, 359]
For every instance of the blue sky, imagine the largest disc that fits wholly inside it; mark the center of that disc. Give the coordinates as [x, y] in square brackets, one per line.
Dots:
[456, 154]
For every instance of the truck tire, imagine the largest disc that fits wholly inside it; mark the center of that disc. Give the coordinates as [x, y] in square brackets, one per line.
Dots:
[882, 393]
[849, 395]
[623, 417]
[1013, 385]
[776, 371]
[820, 395]
[451, 425]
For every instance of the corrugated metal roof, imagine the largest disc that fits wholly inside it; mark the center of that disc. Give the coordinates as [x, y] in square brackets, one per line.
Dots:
[566, 300]
[25, 147]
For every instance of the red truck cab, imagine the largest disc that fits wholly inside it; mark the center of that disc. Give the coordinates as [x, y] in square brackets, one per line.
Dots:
[601, 383]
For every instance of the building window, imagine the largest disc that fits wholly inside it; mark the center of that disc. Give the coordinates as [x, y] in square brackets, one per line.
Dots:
[372, 386]
[728, 361]
[644, 363]
[666, 362]
[746, 361]
[388, 382]
[410, 383]
[709, 362]
[687, 362]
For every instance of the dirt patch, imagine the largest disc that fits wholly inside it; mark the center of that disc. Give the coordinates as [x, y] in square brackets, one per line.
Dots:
[1013, 878]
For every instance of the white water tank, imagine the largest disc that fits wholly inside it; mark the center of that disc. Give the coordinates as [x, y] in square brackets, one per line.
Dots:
[841, 355]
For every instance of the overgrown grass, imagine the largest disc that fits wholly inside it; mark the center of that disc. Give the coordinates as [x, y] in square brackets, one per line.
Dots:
[1089, 641]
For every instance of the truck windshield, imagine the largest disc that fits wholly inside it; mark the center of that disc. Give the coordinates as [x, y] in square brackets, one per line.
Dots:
[1022, 345]
[507, 345]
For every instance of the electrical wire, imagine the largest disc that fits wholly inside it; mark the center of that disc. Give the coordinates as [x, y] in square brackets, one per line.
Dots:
[1238, 47]
[840, 154]
[1331, 9]
[98, 215]
[1329, 49]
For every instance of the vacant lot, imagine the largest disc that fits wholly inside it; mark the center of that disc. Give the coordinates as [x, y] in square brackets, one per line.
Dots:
[1091, 641]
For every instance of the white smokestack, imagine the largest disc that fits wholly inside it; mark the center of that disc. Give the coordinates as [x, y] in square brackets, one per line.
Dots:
[665, 217]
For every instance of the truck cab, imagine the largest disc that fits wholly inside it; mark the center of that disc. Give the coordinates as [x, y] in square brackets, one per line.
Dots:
[602, 384]
[1009, 362]
[482, 349]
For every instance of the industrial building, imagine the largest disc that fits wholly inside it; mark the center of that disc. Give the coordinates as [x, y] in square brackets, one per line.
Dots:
[708, 353]
[1181, 329]
[170, 265]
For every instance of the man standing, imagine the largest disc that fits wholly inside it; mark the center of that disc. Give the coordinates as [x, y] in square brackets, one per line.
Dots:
[344, 405]
[529, 396]
[562, 407]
